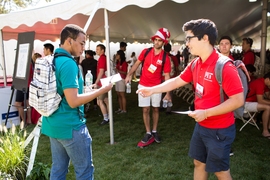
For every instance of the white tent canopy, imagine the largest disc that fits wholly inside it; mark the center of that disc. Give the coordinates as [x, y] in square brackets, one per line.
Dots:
[136, 20]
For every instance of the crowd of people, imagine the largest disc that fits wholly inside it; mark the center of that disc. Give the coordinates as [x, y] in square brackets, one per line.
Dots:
[161, 72]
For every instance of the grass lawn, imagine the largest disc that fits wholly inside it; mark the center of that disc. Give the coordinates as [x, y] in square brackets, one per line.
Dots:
[165, 161]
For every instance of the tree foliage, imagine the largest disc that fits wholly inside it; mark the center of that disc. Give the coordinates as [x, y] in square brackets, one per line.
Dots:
[11, 5]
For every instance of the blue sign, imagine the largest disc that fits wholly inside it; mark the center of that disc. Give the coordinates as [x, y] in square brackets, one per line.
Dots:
[11, 115]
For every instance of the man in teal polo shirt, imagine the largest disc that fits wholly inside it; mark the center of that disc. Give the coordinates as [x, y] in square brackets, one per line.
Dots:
[69, 136]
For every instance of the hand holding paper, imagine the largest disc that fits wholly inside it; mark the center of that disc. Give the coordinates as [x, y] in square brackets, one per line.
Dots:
[111, 79]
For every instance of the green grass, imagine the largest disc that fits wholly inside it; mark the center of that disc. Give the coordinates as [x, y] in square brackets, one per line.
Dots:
[168, 160]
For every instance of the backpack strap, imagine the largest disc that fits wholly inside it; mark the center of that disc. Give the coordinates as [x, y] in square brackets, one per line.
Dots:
[222, 60]
[145, 54]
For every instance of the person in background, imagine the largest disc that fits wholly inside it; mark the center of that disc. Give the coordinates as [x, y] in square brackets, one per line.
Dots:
[123, 46]
[102, 100]
[69, 136]
[120, 88]
[214, 130]
[34, 114]
[251, 72]
[248, 54]
[152, 75]
[89, 63]
[131, 62]
[19, 100]
[225, 45]
[255, 101]
[48, 49]
[174, 70]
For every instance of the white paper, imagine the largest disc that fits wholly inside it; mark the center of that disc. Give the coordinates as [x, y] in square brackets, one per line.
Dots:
[182, 112]
[112, 79]
[22, 60]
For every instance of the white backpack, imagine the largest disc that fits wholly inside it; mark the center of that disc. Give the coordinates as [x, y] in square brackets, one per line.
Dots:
[43, 94]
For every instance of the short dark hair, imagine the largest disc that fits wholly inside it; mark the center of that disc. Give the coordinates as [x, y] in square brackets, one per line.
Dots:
[225, 37]
[167, 47]
[201, 27]
[72, 31]
[49, 46]
[90, 52]
[123, 44]
[267, 76]
[102, 47]
[250, 68]
[249, 41]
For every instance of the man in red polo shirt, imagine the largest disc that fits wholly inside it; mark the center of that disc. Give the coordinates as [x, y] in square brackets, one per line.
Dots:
[248, 56]
[102, 100]
[214, 131]
[225, 45]
[255, 101]
[153, 67]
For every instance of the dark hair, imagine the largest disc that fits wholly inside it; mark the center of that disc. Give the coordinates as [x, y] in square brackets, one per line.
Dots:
[102, 47]
[90, 52]
[49, 46]
[167, 47]
[123, 44]
[248, 40]
[267, 76]
[201, 27]
[122, 56]
[72, 31]
[250, 68]
[225, 37]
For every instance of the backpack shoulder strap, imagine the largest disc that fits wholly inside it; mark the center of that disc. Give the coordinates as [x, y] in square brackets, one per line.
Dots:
[222, 60]
[145, 54]
[63, 54]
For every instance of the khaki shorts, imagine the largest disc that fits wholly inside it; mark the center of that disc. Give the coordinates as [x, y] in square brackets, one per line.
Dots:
[153, 100]
[120, 86]
[251, 106]
[102, 96]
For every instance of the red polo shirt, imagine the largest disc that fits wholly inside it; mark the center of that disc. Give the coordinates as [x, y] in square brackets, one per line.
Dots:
[256, 87]
[153, 78]
[101, 64]
[248, 57]
[203, 74]
[122, 67]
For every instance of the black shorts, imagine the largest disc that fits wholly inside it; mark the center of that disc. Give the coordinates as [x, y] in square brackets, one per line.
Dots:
[20, 96]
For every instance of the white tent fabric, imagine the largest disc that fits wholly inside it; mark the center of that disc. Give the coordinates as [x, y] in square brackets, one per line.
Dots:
[136, 20]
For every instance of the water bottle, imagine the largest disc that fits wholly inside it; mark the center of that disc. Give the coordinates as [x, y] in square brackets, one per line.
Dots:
[128, 90]
[165, 103]
[88, 79]
[169, 104]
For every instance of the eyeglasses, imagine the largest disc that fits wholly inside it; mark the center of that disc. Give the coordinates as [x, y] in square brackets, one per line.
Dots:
[187, 40]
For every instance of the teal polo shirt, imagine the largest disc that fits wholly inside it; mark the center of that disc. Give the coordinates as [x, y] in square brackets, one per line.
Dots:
[65, 119]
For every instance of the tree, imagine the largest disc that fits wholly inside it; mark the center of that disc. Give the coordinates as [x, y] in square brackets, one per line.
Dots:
[11, 5]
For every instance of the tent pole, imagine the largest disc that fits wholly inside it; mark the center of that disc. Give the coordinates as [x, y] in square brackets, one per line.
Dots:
[91, 17]
[2, 56]
[263, 36]
[108, 73]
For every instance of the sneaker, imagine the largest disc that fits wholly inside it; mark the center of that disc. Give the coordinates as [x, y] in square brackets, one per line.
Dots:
[156, 136]
[118, 111]
[122, 112]
[231, 153]
[104, 122]
[146, 138]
